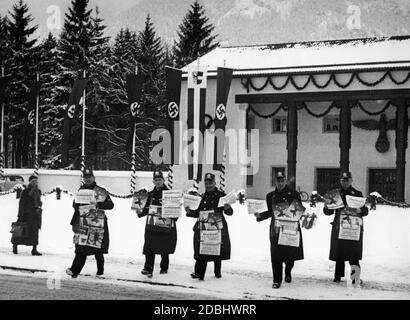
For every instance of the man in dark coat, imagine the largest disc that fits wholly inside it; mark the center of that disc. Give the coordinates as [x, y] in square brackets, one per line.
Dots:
[281, 253]
[30, 213]
[209, 202]
[103, 202]
[342, 250]
[159, 239]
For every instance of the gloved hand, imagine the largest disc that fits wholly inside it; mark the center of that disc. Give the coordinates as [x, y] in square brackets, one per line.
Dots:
[76, 228]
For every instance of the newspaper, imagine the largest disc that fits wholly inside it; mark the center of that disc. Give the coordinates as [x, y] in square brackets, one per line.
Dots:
[155, 218]
[355, 202]
[289, 238]
[333, 200]
[85, 196]
[256, 206]
[191, 201]
[230, 198]
[210, 220]
[91, 227]
[172, 206]
[139, 200]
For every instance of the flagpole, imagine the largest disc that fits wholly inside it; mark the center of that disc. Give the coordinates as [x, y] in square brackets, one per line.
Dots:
[2, 160]
[134, 155]
[36, 159]
[83, 134]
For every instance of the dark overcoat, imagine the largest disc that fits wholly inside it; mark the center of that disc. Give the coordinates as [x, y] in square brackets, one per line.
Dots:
[107, 204]
[158, 240]
[210, 201]
[29, 213]
[281, 253]
[340, 249]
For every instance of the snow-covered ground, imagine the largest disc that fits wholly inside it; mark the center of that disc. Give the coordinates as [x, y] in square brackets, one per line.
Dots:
[385, 264]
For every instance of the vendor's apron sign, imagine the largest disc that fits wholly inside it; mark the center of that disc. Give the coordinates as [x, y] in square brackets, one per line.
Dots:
[230, 198]
[210, 242]
[139, 200]
[333, 200]
[155, 218]
[256, 206]
[172, 204]
[91, 227]
[85, 196]
[191, 201]
[355, 202]
[350, 227]
[210, 220]
[289, 237]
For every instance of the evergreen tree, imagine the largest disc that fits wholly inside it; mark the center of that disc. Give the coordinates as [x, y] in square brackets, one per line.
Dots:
[151, 63]
[195, 36]
[48, 128]
[21, 67]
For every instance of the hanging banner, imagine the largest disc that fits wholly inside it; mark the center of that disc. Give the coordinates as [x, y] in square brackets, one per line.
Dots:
[223, 85]
[34, 91]
[197, 82]
[74, 100]
[173, 80]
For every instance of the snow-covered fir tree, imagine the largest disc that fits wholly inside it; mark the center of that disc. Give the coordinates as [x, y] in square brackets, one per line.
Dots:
[21, 66]
[195, 36]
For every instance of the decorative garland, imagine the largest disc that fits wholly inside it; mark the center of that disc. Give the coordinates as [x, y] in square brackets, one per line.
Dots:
[251, 108]
[373, 199]
[387, 106]
[318, 115]
[332, 77]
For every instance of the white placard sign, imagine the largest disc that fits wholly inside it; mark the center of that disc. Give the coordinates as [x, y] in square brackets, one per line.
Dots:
[85, 196]
[289, 238]
[209, 249]
[191, 201]
[211, 236]
[355, 202]
[256, 206]
[172, 204]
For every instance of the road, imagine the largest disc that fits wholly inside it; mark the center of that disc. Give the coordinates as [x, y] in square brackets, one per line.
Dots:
[22, 287]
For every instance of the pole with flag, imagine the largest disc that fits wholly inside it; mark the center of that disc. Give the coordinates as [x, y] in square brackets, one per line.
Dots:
[223, 85]
[197, 83]
[36, 155]
[77, 91]
[134, 90]
[83, 135]
[173, 85]
[2, 93]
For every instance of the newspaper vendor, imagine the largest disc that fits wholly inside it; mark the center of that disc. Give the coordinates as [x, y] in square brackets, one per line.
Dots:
[344, 249]
[160, 234]
[286, 253]
[211, 234]
[95, 243]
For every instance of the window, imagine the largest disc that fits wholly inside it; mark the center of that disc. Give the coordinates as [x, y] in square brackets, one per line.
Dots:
[383, 181]
[279, 124]
[331, 124]
[274, 170]
[327, 179]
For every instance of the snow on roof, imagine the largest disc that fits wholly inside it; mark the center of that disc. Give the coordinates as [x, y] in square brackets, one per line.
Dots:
[316, 56]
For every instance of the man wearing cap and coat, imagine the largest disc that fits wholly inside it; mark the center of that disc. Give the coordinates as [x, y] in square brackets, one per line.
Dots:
[345, 250]
[280, 253]
[103, 202]
[29, 213]
[210, 200]
[162, 239]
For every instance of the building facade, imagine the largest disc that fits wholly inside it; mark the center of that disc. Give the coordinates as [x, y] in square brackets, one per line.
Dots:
[318, 108]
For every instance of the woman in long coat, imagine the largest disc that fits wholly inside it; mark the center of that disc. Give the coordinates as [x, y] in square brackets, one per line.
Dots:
[209, 202]
[345, 250]
[29, 213]
[281, 253]
[104, 202]
[160, 238]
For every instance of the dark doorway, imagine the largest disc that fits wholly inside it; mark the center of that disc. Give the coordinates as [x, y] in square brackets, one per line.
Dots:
[383, 181]
[327, 179]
